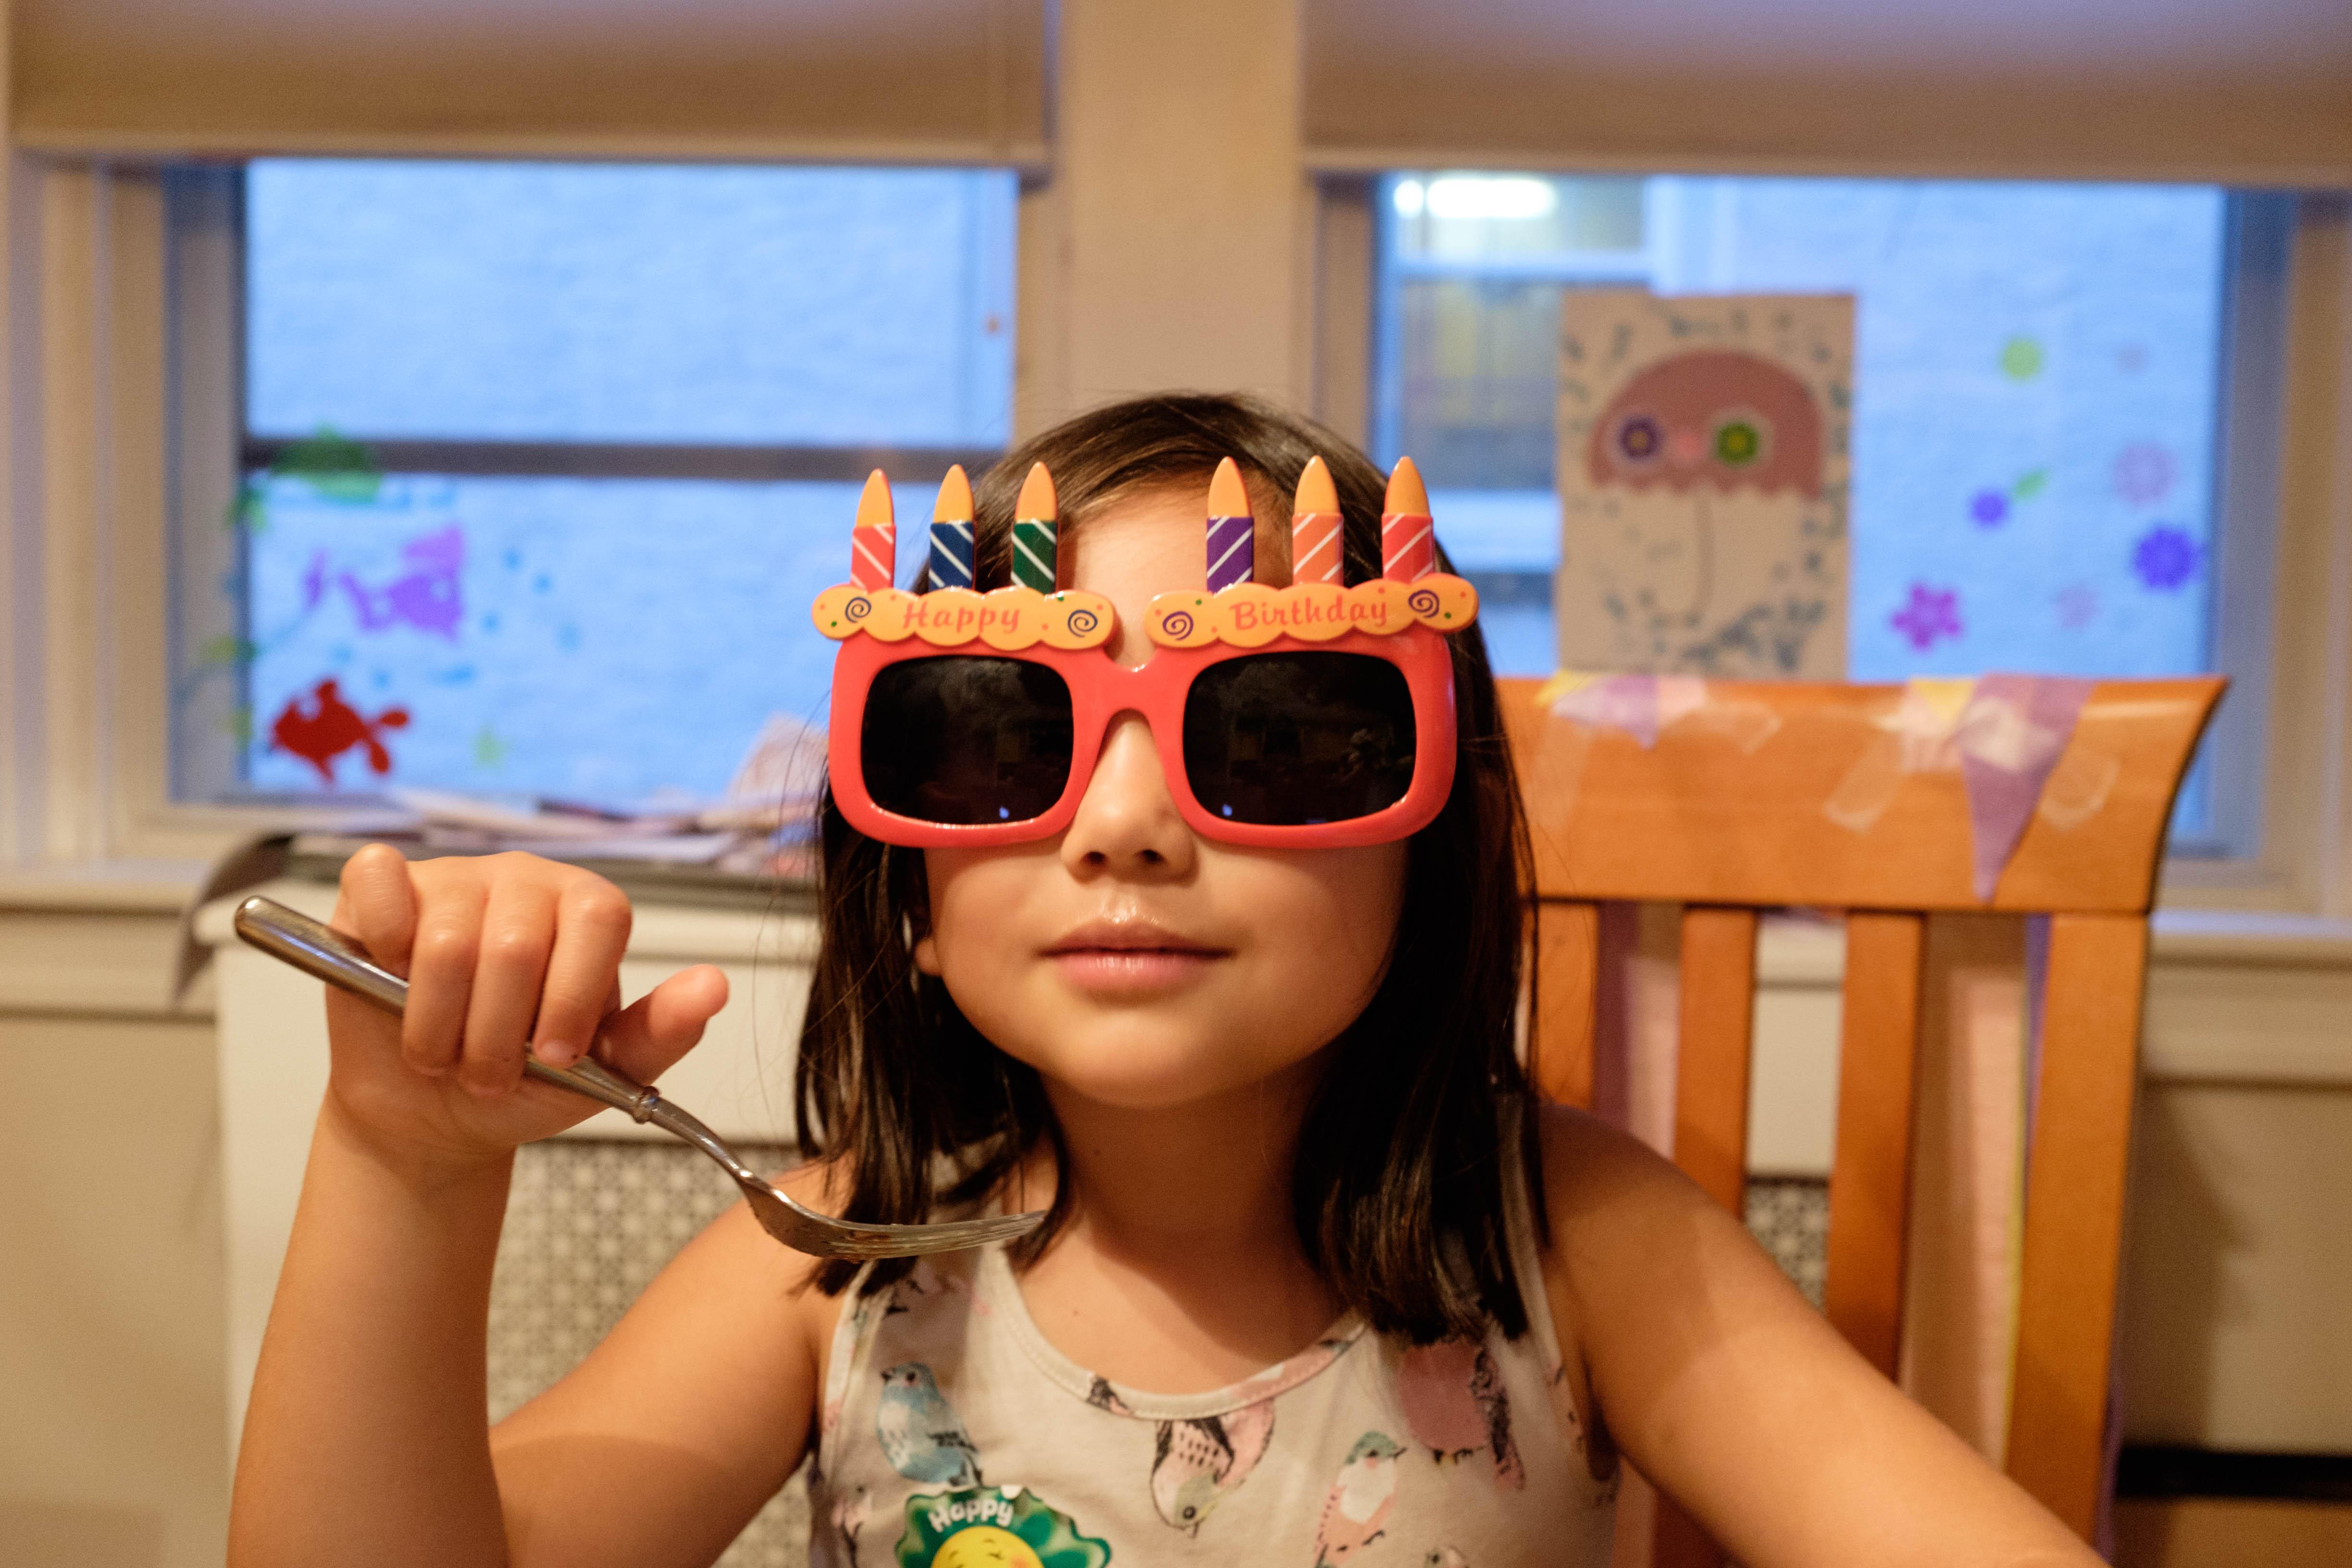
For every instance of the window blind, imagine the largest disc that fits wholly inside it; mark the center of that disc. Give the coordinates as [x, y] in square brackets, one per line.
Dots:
[934, 82]
[2257, 92]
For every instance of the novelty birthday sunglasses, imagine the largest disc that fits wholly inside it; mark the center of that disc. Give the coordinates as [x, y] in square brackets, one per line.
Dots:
[1309, 716]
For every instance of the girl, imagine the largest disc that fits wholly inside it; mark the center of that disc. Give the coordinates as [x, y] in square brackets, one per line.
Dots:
[1319, 1283]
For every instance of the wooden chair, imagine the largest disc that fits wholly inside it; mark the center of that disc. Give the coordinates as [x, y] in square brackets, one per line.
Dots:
[1769, 795]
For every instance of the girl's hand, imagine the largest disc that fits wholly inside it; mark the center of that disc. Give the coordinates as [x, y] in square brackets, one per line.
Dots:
[503, 954]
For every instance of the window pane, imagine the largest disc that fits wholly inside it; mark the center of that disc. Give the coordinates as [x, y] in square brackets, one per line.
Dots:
[847, 307]
[1480, 393]
[592, 639]
[2036, 388]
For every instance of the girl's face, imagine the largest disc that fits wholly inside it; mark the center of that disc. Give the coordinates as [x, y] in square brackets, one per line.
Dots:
[1129, 961]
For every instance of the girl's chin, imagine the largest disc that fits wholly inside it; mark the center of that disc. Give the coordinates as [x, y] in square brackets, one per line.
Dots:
[1131, 1074]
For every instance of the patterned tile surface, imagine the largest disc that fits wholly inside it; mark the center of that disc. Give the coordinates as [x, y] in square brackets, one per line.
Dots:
[588, 1226]
[1791, 1217]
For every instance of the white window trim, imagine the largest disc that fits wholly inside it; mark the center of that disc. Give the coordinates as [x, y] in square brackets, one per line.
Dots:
[2301, 645]
[85, 658]
[85, 691]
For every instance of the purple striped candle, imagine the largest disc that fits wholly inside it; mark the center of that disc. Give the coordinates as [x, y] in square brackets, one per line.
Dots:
[1232, 533]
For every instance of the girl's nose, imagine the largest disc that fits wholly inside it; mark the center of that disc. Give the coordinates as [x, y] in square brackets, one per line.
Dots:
[1127, 823]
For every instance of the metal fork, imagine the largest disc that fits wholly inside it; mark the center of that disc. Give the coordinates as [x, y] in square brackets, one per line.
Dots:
[320, 950]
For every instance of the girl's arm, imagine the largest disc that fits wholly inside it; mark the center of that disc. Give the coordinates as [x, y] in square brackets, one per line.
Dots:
[1727, 1389]
[365, 1441]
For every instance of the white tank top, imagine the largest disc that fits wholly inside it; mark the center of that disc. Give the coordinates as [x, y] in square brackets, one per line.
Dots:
[952, 1436]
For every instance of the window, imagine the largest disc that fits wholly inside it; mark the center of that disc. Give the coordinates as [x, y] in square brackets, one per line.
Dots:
[542, 465]
[2043, 380]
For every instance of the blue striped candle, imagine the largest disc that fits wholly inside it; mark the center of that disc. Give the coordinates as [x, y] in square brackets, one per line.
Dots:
[951, 554]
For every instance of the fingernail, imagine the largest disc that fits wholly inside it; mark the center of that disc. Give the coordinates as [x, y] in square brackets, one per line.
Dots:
[555, 1053]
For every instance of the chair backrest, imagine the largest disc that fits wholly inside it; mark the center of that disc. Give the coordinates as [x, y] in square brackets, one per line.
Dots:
[1886, 803]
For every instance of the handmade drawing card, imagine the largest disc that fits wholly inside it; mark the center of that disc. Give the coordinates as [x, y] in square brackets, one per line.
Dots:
[1704, 456]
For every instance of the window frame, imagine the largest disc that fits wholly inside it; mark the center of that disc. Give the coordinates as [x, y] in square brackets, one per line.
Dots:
[214, 451]
[2256, 851]
[84, 673]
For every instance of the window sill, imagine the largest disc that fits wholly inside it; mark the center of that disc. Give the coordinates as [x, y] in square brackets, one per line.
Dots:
[101, 887]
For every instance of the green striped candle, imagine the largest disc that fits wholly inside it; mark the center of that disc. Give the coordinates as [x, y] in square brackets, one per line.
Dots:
[1035, 533]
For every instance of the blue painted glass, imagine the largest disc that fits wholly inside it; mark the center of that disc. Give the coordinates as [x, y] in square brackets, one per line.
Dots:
[602, 640]
[608, 640]
[2036, 395]
[521, 301]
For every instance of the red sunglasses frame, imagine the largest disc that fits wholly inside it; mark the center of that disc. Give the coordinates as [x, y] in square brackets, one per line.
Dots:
[1101, 689]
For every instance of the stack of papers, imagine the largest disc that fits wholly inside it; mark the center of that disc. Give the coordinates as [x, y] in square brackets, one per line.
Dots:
[764, 825]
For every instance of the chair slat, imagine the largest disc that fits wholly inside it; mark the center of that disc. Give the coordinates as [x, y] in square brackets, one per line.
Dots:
[1870, 1176]
[1719, 1012]
[1560, 1040]
[2073, 1210]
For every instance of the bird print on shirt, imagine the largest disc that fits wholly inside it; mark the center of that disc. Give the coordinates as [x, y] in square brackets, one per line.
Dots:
[1356, 1513]
[921, 1433]
[1197, 1462]
[1456, 1404]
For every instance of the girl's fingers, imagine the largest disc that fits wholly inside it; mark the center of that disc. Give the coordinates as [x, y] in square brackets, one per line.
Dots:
[378, 905]
[646, 1037]
[519, 932]
[592, 931]
[441, 975]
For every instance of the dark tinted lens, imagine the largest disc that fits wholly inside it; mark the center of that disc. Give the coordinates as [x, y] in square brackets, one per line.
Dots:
[967, 740]
[1293, 738]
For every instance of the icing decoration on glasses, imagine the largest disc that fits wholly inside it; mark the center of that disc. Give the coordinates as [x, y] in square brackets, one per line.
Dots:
[1408, 539]
[951, 564]
[1242, 613]
[1235, 610]
[1008, 619]
[1232, 533]
[873, 538]
[1315, 552]
[1036, 530]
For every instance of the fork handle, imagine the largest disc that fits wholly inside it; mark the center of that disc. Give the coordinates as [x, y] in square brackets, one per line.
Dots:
[327, 954]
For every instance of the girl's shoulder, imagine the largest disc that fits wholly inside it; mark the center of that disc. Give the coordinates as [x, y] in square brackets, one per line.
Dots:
[1616, 1208]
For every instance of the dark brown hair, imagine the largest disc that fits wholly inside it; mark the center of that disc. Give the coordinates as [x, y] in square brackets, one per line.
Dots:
[1399, 1183]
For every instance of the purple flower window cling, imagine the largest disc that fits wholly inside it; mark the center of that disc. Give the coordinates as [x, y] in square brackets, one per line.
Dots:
[2145, 472]
[2166, 557]
[1928, 615]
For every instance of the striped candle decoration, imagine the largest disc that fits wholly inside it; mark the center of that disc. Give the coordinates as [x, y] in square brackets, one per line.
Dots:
[951, 533]
[1315, 555]
[1408, 543]
[1233, 546]
[874, 537]
[1034, 532]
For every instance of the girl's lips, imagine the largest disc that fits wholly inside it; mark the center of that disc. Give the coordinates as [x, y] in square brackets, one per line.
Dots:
[1123, 958]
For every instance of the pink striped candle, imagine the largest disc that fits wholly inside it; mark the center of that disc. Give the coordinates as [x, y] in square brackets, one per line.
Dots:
[1232, 533]
[1408, 541]
[1316, 553]
[874, 537]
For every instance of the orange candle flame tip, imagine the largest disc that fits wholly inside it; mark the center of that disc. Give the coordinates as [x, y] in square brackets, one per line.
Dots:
[1407, 496]
[1037, 502]
[1315, 491]
[1228, 497]
[954, 504]
[874, 501]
